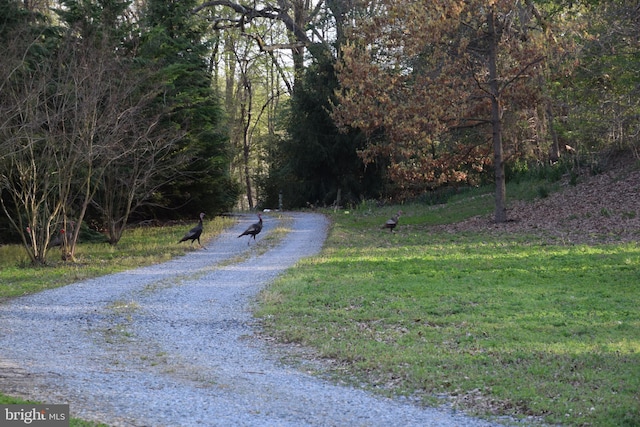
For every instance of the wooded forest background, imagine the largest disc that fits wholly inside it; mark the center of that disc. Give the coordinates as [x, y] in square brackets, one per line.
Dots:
[119, 111]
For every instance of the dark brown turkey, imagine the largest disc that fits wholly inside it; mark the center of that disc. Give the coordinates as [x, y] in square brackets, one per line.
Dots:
[392, 222]
[62, 239]
[195, 233]
[253, 229]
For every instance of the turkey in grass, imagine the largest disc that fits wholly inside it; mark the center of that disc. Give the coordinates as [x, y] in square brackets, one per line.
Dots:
[195, 233]
[392, 222]
[253, 229]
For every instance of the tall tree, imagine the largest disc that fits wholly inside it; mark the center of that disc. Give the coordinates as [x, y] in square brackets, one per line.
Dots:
[599, 87]
[315, 163]
[109, 124]
[54, 100]
[264, 46]
[175, 39]
[423, 74]
[36, 167]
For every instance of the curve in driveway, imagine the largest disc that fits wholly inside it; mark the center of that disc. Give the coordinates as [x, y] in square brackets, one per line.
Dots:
[173, 345]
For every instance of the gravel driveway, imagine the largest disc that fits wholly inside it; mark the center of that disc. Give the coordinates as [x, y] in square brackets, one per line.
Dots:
[174, 345]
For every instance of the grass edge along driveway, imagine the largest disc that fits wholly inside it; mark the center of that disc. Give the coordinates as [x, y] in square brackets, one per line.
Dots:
[493, 324]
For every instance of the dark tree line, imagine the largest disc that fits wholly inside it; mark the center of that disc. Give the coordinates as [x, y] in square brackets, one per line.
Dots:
[444, 94]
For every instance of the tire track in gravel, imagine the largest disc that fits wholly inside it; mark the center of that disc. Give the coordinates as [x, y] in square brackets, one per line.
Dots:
[174, 345]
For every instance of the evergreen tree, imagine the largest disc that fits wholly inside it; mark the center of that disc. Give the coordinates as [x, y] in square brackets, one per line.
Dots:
[317, 164]
[174, 39]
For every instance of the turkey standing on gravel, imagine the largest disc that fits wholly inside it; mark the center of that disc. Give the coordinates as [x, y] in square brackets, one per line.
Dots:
[194, 233]
[253, 229]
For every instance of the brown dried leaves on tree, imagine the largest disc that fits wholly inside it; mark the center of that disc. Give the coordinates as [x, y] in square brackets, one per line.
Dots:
[414, 77]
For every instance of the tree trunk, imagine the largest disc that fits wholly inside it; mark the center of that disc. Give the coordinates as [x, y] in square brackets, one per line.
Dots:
[246, 107]
[299, 17]
[554, 155]
[496, 121]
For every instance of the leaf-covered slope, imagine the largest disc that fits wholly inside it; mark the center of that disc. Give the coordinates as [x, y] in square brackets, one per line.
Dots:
[603, 208]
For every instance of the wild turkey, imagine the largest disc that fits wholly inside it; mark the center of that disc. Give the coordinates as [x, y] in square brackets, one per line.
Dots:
[253, 229]
[58, 240]
[194, 233]
[392, 222]
[62, 238]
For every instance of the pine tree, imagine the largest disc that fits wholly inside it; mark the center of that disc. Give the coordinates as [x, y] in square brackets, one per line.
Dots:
[173, 39]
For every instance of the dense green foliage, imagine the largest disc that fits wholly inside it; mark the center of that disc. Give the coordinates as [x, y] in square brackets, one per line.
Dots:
[174, 38]
[599, 98]
[315, 163]
[168, 61]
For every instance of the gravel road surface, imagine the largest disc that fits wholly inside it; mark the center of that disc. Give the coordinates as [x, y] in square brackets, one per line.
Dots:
[175, 345]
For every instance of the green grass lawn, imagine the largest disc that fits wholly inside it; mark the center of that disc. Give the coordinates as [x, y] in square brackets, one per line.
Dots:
[138, 247]
[498, 325]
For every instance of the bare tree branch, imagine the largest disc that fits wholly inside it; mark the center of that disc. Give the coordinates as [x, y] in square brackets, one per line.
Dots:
[249, 13]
